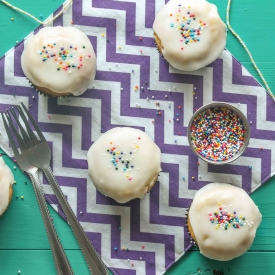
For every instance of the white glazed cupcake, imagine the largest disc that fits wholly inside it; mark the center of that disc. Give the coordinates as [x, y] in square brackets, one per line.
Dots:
[223, 221]
[59, 61]
[189, 33]
[124, 163]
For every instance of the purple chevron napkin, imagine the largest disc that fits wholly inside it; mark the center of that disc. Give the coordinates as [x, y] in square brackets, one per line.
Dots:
[143, 236]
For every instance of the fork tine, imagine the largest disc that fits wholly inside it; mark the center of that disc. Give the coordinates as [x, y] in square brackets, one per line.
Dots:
[40, 134]
[21, 142]
[29, 130]
[22, 130]
[13, 145]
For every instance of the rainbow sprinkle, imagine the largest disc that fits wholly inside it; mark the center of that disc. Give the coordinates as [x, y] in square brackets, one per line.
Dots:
[123, 161]
[224, 219]
[184, 23]
[65, 59]
[217, 134]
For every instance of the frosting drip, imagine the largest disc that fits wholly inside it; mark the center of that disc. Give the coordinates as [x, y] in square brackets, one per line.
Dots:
[60, 59]
[227, 232]
[124, 163]
[191, 33]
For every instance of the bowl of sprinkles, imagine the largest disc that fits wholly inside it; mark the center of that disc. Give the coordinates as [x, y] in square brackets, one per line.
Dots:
[218, 133]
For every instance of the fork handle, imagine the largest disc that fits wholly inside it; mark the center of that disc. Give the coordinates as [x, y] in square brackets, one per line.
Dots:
[60, 259]
[95, 264]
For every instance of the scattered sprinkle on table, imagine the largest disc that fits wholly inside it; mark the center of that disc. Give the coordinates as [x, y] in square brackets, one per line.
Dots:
[217, 134]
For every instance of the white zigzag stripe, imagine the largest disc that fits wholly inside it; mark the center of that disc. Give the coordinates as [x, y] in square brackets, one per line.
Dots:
[106, 248]
[164, 208]
[124, 213]
[159, 4]
[207, 74]
[126, 49]
[10, 78]
[155, 83]
[95, 106]
[49, 18]
[91, 206]
[245, 72]
[67, 16]
[88, 10]
[141, 30]
[184, 192]
[146, 226]
[63, 171]
[234, 179]
[57, 160]
[135, 99]
[9, 100]
[228, 87]
[265, 144]
[115, 88]
[76, 124]
[204, 175]
[69, 192]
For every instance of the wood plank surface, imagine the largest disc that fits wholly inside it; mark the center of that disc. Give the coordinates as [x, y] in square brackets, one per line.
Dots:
[192, 263]
[23, 242]
[37, 262]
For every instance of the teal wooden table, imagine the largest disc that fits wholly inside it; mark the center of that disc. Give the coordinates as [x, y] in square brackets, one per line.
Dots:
[24, 245]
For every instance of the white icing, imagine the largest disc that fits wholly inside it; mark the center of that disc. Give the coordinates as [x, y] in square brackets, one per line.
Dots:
[221, 244]
[124, 183]
[6, 179]
[194, 55]
[45, 74]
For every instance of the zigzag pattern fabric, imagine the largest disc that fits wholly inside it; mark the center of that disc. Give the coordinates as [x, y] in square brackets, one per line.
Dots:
[142, 236]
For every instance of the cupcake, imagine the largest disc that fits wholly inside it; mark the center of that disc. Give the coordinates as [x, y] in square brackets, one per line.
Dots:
[223, 221]
[189, 33]
[124, 163]
[59, 61]
[6, 182]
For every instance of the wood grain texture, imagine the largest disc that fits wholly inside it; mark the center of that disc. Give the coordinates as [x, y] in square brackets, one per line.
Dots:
[193, 263]
[24, 213]
[37, 262]
[23, 241]
[22, 25]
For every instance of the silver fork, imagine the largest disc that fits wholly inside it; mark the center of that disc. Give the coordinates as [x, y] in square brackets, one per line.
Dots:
[39, 154]
[61, 262]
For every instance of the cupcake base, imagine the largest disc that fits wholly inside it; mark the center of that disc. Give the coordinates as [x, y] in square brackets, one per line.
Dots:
[189, 228]
[48, 92]
[158, 43]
